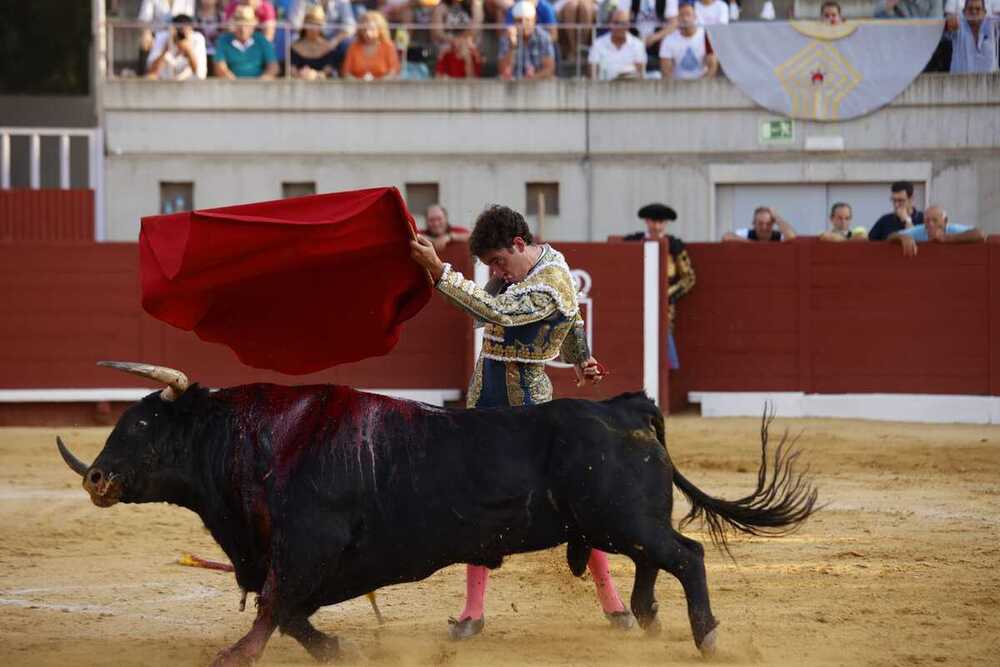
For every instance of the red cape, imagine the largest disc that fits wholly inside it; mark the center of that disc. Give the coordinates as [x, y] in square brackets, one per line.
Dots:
[293, 285]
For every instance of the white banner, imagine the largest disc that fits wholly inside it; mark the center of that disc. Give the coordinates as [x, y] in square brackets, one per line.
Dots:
[815, 71]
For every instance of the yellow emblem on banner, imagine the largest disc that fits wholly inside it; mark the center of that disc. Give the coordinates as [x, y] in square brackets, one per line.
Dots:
[817, 79]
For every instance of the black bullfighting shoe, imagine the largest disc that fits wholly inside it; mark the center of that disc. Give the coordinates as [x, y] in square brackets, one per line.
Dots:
[620, 620]
[466, 628]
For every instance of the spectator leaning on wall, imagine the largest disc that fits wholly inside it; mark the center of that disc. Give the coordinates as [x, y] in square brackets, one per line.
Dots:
[242, 53]
[974, 37]
[687, 53]
[936, 228]
[903, 216]
[840, 225]
[764, 220]
[178, 53]
[654, 20]
[617, 54]
[439, 231]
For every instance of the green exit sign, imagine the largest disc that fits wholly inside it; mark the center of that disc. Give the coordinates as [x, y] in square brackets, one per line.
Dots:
[773, 131]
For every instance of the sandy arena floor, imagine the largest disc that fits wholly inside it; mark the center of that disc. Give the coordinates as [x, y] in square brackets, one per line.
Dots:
[900, 568]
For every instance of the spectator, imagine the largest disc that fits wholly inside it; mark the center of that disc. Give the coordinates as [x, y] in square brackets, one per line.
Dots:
[687, 53]
[372, 54]
[617, 54]
[831, 13]
[903, 216]
[680, 271]
[158, 13]
[656, 217]
[460, 59]
[526, 52]
[840, 225]
[764, 220]
[210, 22]
[452, 18]
[908, 9]
[267, 17]
[341, 26]
[936, 228]
[581, 15]
[654, 20]
[313, 56]
[178, 53]
[974, 37]
[439, 231]
[955, 7]
[243, 54]
[711, 12]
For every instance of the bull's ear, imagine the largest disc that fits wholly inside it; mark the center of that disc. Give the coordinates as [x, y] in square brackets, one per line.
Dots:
[176, 381]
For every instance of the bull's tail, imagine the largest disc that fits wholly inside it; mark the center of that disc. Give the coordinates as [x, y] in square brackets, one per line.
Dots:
[778, 506]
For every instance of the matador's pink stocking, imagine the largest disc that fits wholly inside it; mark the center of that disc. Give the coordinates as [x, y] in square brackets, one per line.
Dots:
[476, 577]
[606, 591]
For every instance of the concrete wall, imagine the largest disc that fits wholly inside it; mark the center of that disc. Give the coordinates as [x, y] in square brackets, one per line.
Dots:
[611, 147]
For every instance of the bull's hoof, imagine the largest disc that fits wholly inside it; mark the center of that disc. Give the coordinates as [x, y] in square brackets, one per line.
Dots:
[466, 628]
[651, 626]
[708, 645]
[620, 620]
[232, 657]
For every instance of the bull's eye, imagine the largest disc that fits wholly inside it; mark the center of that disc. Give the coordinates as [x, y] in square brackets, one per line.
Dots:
[142, 423]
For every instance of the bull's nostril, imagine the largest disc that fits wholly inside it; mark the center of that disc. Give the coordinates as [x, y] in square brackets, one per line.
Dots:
[95, 476]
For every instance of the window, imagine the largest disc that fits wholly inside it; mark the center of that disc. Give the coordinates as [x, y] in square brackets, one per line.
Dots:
[418, 197]
[303, 189]
[176, 197]
[541, 208]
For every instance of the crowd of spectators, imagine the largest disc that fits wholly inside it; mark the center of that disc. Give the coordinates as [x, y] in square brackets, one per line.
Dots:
[904, 225]
[513, 39]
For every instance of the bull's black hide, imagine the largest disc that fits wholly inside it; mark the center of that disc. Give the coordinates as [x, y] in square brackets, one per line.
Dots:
[320, 494]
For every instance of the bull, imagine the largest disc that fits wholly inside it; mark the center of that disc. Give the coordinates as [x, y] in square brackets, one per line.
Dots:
[320, 494]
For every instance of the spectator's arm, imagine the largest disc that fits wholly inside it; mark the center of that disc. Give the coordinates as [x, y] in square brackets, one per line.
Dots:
[951, 23]
[666, 67]
[222, 70]
[438, 35]
[831, 236]
[548, 68]
[786, 229]
[460, 237]
[505, 59]
[973, 235]
[157, 55]
[905, 240]
[477, 19]
[270, 62]
[711, 65]
[730, 236]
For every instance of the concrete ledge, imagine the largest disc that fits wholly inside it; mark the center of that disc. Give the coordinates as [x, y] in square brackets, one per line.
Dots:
[921, 408]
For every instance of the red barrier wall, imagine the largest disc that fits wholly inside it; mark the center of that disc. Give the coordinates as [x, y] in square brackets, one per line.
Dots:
[46, 215]
[836, 318]
[67, 306]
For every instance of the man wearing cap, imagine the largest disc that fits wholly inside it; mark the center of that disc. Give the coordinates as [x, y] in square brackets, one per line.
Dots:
[680, 271]
[242, 53]
[530, 316]
[526, 52]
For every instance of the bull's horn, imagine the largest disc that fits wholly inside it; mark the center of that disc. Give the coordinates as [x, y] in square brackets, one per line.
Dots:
[176, 381]
[75, 464]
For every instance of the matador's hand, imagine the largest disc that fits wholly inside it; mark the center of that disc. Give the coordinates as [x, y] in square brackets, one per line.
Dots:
[423, 253]
[590, 371]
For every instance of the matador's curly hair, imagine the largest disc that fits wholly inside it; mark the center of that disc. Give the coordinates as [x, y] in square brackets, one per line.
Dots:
[496, 228]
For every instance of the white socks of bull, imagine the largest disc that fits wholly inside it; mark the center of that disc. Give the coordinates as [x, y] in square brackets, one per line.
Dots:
[477, 576]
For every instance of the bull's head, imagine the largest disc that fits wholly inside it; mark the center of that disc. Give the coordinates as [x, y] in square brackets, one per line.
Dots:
[139, 451]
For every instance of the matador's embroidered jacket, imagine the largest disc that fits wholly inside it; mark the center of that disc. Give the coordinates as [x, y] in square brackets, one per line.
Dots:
[526, 324]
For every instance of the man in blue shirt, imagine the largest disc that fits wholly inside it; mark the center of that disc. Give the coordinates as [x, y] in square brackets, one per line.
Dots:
[935, 228]
[903, 216]
[973, 39]
[526, 52]
[244, 53]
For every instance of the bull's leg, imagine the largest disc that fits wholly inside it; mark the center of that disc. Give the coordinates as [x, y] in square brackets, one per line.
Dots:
[247, 650]
[321, 646]
[644, 605]
[684, 558]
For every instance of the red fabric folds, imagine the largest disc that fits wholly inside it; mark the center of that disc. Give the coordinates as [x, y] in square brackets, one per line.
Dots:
[293, 285]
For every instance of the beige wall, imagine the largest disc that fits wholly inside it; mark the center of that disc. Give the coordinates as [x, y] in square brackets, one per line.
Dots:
[611, 147]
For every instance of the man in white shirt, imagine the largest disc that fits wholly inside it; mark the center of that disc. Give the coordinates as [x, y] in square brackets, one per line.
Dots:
[711, 12]
[686, 53]
[178, 53]
[617, 54]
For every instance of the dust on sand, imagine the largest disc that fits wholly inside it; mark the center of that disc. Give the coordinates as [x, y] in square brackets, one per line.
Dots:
[899, 568]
